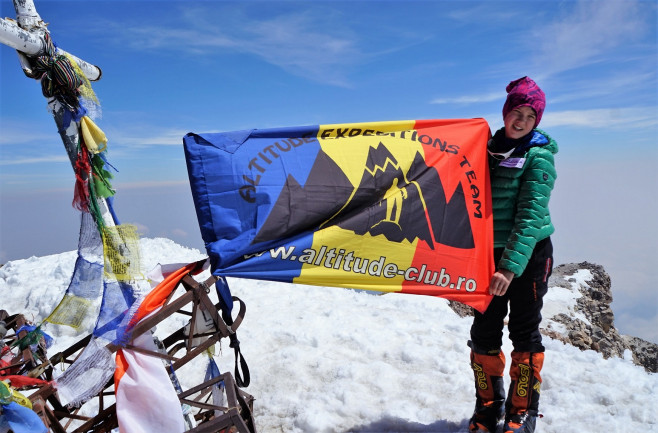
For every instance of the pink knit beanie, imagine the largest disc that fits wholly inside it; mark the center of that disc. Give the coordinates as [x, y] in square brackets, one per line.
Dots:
[525, 92]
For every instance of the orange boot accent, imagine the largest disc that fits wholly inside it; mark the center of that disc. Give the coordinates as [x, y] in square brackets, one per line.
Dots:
[487, 370]
[526, 382]
[489, 391]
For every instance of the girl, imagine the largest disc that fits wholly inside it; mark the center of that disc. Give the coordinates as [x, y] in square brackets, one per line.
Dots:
[522, 173]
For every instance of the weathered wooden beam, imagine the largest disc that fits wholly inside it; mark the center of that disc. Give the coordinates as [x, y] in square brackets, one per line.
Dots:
[26, 36]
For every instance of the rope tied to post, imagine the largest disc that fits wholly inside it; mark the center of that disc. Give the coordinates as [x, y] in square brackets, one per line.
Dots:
[58, 76]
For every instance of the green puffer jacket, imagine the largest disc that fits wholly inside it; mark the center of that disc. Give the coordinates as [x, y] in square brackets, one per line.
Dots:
[520, 189]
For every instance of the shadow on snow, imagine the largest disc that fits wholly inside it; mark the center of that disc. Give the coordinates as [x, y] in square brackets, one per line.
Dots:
[397, 425]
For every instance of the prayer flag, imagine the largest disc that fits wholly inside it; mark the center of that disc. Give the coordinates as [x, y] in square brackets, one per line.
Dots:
[146, 400]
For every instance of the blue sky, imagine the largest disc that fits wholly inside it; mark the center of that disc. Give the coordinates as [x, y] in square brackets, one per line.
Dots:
[172, 67]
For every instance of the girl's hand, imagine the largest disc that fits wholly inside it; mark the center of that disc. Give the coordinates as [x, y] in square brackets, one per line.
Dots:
[500, 281]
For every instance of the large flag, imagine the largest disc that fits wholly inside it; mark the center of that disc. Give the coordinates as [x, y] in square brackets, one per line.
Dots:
[387, 206]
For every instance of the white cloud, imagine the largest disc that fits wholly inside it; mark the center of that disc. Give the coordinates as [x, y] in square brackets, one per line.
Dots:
[632, 117]
[35, 160]
[490, 12]
[141, 228]
[19, 132]
[180, 233]
[149, 184]
[586, 34]
[471, 99]
[164, 137]
[301, 43]
[614, 86]
[645, 328]
[294, 42]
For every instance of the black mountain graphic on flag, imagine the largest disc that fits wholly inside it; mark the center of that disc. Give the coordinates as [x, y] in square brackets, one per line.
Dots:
[302, 208]
[387, 202]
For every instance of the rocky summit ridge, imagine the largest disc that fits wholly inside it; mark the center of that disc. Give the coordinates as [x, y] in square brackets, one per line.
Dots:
[577, 311]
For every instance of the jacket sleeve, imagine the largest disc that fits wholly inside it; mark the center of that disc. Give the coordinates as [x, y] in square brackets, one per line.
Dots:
[532, 214]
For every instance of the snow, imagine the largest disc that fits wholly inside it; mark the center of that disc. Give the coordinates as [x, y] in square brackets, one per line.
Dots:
[338, 360]
[563, 301]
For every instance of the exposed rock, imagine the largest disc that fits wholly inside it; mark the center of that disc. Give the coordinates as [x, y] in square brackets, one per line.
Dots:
[462, 310]
[591, 324]
[600, 333]
[645, 353]
[594, 303]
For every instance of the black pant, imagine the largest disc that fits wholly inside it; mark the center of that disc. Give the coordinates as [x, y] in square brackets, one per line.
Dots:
[525, 297]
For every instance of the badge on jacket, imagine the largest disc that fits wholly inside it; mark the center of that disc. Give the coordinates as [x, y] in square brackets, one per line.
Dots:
[512, 163]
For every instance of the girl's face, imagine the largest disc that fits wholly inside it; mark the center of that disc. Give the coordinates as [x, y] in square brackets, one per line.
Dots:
[519, 122]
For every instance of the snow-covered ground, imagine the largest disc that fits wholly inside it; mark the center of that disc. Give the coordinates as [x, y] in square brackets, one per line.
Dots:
[337, 360]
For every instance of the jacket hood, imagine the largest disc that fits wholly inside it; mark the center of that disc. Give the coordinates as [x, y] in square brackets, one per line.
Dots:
[550, 145]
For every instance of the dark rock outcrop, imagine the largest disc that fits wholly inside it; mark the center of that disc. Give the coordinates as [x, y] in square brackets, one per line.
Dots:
[462, 310]
[600, 333]
[591, 324]
[594, 303]
[645, 353]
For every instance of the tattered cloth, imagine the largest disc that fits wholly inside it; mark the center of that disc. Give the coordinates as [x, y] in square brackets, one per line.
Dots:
[58, 76]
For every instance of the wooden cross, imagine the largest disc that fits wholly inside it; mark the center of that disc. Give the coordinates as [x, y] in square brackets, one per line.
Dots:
[29, 37]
